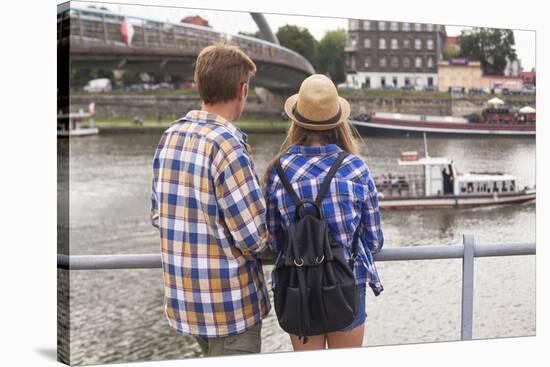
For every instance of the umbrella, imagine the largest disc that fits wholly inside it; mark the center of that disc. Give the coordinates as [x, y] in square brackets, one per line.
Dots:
[527, 109]
[495, 101]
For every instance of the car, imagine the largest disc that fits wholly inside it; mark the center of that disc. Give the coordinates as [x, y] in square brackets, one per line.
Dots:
[135, 88]
[476, 90]
[456, 90]
[98, 85]
[528, 90]
[430, 88]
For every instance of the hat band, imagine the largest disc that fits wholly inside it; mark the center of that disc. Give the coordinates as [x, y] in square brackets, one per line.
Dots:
[331, 120]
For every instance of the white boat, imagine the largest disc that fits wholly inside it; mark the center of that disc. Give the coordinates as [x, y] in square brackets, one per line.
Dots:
[71, 124]
[435, 182]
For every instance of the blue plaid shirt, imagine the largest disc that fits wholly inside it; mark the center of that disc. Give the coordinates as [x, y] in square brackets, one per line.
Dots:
[207, 203]
[351, 203]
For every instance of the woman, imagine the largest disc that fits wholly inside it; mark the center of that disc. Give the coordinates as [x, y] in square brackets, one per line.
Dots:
[318, 132]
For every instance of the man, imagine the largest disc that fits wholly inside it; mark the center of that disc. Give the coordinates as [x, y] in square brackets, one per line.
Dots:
[209, 208]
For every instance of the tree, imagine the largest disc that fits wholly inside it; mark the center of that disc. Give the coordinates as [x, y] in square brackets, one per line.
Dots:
[331, 58]
[298, 39]
[492, 47]
[450, 52]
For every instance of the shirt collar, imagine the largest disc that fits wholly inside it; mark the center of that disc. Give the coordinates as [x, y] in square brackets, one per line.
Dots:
[200, 115]
[307, 150]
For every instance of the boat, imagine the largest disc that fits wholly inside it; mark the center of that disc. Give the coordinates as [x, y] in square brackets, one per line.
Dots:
[72, 124]
[493, 120]
[435, 182]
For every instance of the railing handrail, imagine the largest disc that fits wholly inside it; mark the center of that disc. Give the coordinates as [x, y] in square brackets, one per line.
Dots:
[467, 251]
[435, 252]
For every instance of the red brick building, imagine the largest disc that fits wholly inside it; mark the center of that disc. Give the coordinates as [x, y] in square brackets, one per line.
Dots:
[196, 20]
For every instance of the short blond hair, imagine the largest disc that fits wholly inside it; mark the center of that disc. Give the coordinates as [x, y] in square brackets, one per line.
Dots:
[220, 70]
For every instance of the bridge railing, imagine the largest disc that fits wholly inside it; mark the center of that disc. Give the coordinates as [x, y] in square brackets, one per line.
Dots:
[104, 27]
[466, 251]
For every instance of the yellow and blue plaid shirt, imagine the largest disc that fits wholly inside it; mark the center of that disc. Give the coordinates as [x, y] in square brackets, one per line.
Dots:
[210, 211]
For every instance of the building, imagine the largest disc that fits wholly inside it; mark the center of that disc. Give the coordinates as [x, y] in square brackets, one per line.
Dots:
[383, 54]
[459, 73]
[529, 77]
[452, 45]
[196, 20]
[497, 83]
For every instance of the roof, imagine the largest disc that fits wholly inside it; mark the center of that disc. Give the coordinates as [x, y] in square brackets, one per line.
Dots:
[425, 161]
[453, 40]
[476, 177]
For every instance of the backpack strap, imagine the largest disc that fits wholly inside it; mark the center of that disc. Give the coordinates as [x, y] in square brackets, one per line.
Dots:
[328, 178]
[286, 183]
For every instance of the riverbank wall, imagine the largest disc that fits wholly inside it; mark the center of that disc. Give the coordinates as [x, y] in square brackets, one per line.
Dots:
[130, 106]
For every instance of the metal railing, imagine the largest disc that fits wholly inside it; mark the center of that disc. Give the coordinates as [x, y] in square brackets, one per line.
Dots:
[99, 27]
[466, 251]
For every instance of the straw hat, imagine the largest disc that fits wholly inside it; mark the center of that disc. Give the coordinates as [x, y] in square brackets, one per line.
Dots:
[317, 105]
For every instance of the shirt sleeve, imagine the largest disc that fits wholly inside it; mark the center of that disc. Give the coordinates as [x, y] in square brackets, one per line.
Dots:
[154, 212]
[241, 202]
[273, 218]
[373, 236]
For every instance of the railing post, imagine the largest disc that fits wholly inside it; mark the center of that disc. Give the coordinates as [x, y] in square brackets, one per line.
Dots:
[467, 287]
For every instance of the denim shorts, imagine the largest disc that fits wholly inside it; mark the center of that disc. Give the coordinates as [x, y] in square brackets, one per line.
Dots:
[361, 311]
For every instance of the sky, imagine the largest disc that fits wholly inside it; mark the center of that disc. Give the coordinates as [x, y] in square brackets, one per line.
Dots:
[232, 22]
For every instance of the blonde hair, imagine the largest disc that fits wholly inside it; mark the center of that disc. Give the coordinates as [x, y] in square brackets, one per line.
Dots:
[344, 135]
[220, 70]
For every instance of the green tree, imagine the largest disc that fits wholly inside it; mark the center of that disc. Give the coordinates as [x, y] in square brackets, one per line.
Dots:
[450, 51]
[331, 58]
[298, 39]
[492, 47]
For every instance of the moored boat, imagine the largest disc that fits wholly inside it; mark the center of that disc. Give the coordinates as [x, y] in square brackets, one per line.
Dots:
[494, 120]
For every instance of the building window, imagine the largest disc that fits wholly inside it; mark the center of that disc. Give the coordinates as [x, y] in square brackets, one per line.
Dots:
[430, 62]
[366, 25]
[353, 24]
[367, 82]
[367, 62]
[352, 41]
[381, 26]
[394, 81]
[394, 26]
[393, 44]
[406, 43]
[429, 27]
[382, 44]
[366, 42]
[394, 62]
[407, 80]
[383, 81]
[383, 62]
[430, 44]
[352, 62]
[417, 44]
[406, 62]
[418, 62]
[417, 27]
[406, 27]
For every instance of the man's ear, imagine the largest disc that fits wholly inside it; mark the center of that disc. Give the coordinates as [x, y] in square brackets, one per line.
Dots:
[244, 91]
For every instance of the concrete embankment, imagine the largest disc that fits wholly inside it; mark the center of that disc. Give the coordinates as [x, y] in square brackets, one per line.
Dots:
[165, 106]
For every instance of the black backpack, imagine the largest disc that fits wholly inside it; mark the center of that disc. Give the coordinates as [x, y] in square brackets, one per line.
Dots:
[315, 292]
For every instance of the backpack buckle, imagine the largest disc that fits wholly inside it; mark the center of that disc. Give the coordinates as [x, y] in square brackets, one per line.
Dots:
[319, 261]
[299, 264]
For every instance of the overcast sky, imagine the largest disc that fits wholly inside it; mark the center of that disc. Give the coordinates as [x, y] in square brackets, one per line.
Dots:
[232, 22]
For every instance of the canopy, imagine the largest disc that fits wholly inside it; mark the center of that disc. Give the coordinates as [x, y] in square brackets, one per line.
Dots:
[495, 101]
[527, 109]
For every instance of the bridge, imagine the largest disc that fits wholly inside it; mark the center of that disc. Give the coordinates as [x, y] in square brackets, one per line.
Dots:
[96, 41]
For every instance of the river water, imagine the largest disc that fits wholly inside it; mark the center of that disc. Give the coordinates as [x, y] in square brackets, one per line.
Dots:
[117, 315]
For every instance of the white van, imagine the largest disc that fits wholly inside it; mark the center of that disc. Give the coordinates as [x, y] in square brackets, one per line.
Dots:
[98, 85]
